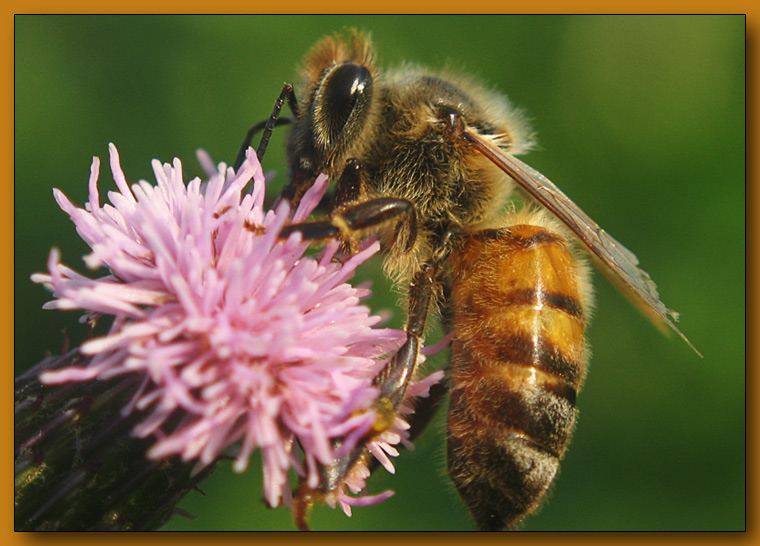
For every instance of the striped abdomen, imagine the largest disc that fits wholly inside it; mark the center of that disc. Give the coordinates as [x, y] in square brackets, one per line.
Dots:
[518, 359]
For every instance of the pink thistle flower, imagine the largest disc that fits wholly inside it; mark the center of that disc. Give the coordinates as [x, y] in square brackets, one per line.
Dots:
[232, 329]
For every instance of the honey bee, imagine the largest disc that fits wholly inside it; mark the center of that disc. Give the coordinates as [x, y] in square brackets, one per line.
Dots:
[426, 161]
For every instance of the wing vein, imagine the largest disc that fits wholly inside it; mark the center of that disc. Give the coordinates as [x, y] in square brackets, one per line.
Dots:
[619, 262]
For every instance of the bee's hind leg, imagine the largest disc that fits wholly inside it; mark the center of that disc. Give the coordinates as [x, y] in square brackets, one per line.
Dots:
[392, 383]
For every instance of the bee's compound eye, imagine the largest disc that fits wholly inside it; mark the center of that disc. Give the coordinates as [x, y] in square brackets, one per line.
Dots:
[343, 99]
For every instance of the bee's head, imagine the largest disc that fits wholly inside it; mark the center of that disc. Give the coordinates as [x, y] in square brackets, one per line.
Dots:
[336, 108]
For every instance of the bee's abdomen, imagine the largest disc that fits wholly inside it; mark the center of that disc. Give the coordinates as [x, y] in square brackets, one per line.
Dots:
[518, 359]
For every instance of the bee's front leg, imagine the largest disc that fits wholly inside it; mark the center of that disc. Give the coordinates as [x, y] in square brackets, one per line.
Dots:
[351, 219]
[268, 125]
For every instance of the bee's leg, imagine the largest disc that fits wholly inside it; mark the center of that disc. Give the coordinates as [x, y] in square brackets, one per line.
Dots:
[351, 222]
[249, 137]
[424, 411]
[426, 408]
[301, 181]
[348, 189]
[349, 186]
[395, 377]
[345, 207]
[350, 219]
[392, 381]
[268, 125]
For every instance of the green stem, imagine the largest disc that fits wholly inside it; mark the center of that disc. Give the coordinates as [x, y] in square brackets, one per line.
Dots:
[78, 467]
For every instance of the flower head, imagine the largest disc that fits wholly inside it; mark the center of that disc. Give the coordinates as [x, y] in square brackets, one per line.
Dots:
[240, 337]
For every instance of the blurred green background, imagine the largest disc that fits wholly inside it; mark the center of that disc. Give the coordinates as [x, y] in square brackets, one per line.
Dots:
[640, 119]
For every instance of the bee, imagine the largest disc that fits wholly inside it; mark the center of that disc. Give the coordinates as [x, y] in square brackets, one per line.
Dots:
[426, 161]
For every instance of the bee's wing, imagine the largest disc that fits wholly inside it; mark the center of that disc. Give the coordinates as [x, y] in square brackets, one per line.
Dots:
[620, 262]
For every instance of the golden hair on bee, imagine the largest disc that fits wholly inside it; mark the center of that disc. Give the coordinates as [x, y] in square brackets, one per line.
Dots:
[336, 49]
[531, 215]
[390, 122]
[519, 306]
[426, 161]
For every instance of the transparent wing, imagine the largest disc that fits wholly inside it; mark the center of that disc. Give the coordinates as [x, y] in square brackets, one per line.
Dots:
[619, 261]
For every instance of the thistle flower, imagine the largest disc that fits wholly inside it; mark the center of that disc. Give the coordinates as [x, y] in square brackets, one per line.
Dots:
[239, 338]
